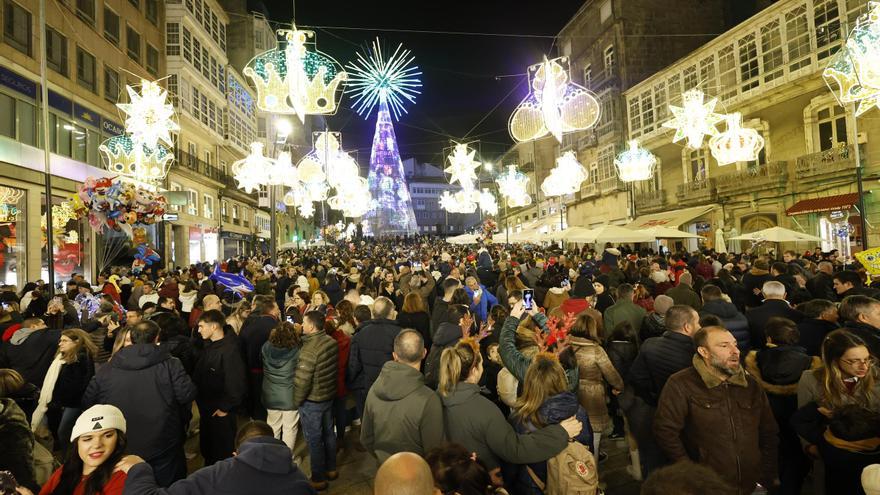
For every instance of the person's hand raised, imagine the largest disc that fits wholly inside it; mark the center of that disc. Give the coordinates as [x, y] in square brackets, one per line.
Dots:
[572, 426]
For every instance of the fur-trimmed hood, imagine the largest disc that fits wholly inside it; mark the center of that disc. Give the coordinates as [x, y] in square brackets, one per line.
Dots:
[751, 364]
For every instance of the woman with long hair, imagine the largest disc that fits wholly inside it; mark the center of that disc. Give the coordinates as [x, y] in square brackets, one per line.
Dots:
[65, 383]
[848, 375]
[414, 314]
[477, 423]
[280, 355]
[241, 312]
[595, 370]
[345, 317]
[99, 444]
[546, 400]
[320, 302]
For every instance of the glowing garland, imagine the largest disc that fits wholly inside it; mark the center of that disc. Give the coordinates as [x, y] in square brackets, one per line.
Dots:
[635, 163]
[297, 79]
[566, 177]
[695, 119]
[555, 104]
[737, 143]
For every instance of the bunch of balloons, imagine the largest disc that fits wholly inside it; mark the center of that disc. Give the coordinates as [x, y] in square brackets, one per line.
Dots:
[112, 203]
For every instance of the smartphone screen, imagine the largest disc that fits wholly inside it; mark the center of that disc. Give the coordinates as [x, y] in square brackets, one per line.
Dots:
[290, 319]
[528, 295]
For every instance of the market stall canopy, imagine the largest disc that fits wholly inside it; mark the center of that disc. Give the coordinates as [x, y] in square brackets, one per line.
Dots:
[826, 203]
[463, 239]
[614, 234]
[661, 232]
[288, 245]
[777, 234]
[672, 218]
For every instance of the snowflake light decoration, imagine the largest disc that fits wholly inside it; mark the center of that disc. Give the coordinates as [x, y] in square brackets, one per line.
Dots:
[462, 168]
[555, 104]
[296, 79]
[694, 119]
[635, 163]
[566, 177]
[513, 186]
[488, 203]
[252, 171]
[375, 78]
[149, 117]
[737, 143]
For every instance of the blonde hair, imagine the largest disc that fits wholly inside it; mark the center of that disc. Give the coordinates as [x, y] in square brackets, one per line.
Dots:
[119, 343]
[544, 379]
[82, 341]
[456, 364]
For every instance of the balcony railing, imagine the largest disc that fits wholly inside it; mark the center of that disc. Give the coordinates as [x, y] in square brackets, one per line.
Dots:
[768, 176]
[698, 191]
[611, 184]
[197, 165]
[588, 190]
[839, 160]
[650, 200]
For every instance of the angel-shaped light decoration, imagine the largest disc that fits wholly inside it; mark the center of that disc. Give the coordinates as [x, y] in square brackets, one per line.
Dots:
[296, 79]
[694, 119]
[555, 105]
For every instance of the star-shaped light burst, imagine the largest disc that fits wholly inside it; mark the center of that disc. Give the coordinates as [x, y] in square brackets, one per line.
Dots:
[373, 78]
[149, 118]
[513, 185]
[462, 166]
[566, 177]
[635, 163]
[253, 170]
[694, 119]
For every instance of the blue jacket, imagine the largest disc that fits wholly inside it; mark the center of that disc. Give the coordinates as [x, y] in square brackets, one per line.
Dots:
[262, 462]
[481, 309]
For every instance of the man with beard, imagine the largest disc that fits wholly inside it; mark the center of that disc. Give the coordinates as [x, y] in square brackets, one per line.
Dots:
[715, 414]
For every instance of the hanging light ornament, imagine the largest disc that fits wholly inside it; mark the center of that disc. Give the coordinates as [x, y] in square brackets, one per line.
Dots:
[296, 79]
[144, 151]
[513, 185]
[852, 73]
[737, 143]
[635, 163]
[462, 166]
[328, 166]
[694, 119]
[488, 204]
[555, 105]
[566, 177]
[252, 171]
[281, 172]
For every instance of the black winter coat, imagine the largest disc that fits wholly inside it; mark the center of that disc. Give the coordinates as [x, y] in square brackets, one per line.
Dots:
[72, 381]
[446, 336]
[219, 375]
[733, 321]
[32, 356]
[758, 319]
[154, 393]
[622, 354]
[813, 331]
[653, 325]
[371, 348]
[754, 280]
[254, 333]
[822, 287]
[417, 321]
[658, 359]
[778, 370]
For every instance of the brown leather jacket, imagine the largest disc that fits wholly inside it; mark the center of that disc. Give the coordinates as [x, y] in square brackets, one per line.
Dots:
[727, 426]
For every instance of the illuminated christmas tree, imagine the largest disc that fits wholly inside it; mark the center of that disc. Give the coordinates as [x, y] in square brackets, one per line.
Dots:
[386, 83]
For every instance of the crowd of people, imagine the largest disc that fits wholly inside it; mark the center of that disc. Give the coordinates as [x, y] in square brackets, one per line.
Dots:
[461, 369]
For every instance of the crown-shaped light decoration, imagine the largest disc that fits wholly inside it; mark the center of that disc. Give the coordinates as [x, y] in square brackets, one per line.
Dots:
[853, 73]
[144, 151]
[296, 79]
[513, 185]
[566, 177]
[635, 163]
[694, 119]
[462, 166]
[555, 105]
[737, 143]
[252, 171]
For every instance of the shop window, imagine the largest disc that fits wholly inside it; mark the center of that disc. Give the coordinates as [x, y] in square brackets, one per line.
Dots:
[12, 235]
[79, 143]
[56, 51]
[27, 122]
[111, 26]
[70, 245]
[17, 27]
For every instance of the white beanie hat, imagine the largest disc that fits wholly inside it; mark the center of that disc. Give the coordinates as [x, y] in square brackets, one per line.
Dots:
[96, 418]
[871, 479]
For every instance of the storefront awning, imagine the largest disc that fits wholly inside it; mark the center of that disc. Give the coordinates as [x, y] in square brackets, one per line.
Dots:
[827, 203]
[672, 218]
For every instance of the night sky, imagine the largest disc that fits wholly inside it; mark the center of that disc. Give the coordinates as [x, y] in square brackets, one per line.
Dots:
[464, 76]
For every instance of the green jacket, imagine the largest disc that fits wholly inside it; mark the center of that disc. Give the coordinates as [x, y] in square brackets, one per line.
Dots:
[515, 361]
[475, 422]
[315, 377]
[623, 310]
[401, 414]
[279, 370]
[684, 294]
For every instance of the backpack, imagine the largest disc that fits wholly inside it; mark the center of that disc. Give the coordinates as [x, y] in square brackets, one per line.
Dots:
[571, 472]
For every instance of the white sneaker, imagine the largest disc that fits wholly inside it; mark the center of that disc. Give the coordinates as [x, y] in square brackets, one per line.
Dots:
[356, 422]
